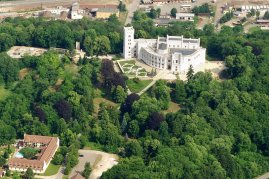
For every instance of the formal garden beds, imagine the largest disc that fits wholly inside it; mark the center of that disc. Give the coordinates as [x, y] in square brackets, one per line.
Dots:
[130, 68]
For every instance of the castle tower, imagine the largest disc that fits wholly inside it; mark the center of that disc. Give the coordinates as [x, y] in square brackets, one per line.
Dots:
[128, 43]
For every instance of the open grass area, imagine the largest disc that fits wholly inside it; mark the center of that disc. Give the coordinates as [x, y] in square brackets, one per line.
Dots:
[254, 29]
[4, 93]
[52, 170]
[136, 87]
[127, 62]
[93, 146]
[23, 72]
[173, 107]
[98, 101]
[70, 70]
[123, 16]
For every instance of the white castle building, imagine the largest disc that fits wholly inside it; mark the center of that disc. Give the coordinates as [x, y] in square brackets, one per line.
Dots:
[174, 53]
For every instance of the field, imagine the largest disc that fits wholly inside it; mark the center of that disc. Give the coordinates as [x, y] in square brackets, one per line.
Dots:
[4, 93]
[136, 87]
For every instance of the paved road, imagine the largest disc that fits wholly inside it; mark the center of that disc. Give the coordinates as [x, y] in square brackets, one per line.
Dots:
[131, 8]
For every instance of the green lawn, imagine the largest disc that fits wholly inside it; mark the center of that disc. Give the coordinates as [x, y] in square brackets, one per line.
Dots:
[52, 170]
[4, 93]
[127, 62]
[123, 16]
[173, 107]
[137, 87]
[93, 146]
[254, 29]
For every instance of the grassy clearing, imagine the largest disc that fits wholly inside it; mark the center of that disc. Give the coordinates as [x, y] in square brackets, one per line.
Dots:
[4, 93]
[93, 146]
[136, 87]
[123, 17]
[23, 72]
[173, 107]
[52, 170]
[98, 101]
[70, 70]
[254, 29]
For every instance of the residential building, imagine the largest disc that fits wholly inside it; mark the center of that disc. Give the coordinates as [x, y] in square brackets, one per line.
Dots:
[76, 13]
[170, 1]
[77, 176]
[47, 145]
[174, 53]
[185, 16]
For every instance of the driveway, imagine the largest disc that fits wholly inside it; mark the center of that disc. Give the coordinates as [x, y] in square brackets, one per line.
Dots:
[100, 162]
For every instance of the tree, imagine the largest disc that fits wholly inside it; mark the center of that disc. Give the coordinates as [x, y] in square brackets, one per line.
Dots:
[87, 170]
[119, 94]
[64, 109]
[153, 13]
[58, 159]
[122, 7]
[6, 41]
[9, 68]
[228, 16]
[208, 29]
[133, 147]
[127, 105]
[258, 13]
[29, 174]
[173, 12]
[266, 15]
[155, 121]
[2, 161]
[133, 128]
[190, 73]
[102, 45]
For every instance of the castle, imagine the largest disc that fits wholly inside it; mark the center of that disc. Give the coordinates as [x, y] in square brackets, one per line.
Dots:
[174, 53]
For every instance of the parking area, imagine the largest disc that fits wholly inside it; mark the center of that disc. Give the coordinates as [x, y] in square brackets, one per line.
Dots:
[100, 162]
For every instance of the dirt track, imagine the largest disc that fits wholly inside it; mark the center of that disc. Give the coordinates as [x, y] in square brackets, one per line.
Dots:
[23, 5]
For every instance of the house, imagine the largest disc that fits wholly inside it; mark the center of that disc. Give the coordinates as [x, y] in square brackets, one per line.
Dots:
[76, 13]
[47, 145]
[185, 16]
[77, 176]
[173, 53]
[105, 13]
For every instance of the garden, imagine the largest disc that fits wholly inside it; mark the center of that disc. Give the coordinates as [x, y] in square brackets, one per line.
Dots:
[131, 69]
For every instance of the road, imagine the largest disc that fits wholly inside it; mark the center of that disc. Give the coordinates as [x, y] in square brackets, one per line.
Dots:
[100, 162]
[131, 8]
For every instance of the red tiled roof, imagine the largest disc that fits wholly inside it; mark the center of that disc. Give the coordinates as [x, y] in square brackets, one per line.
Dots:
[45, 155]
[77, 176]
